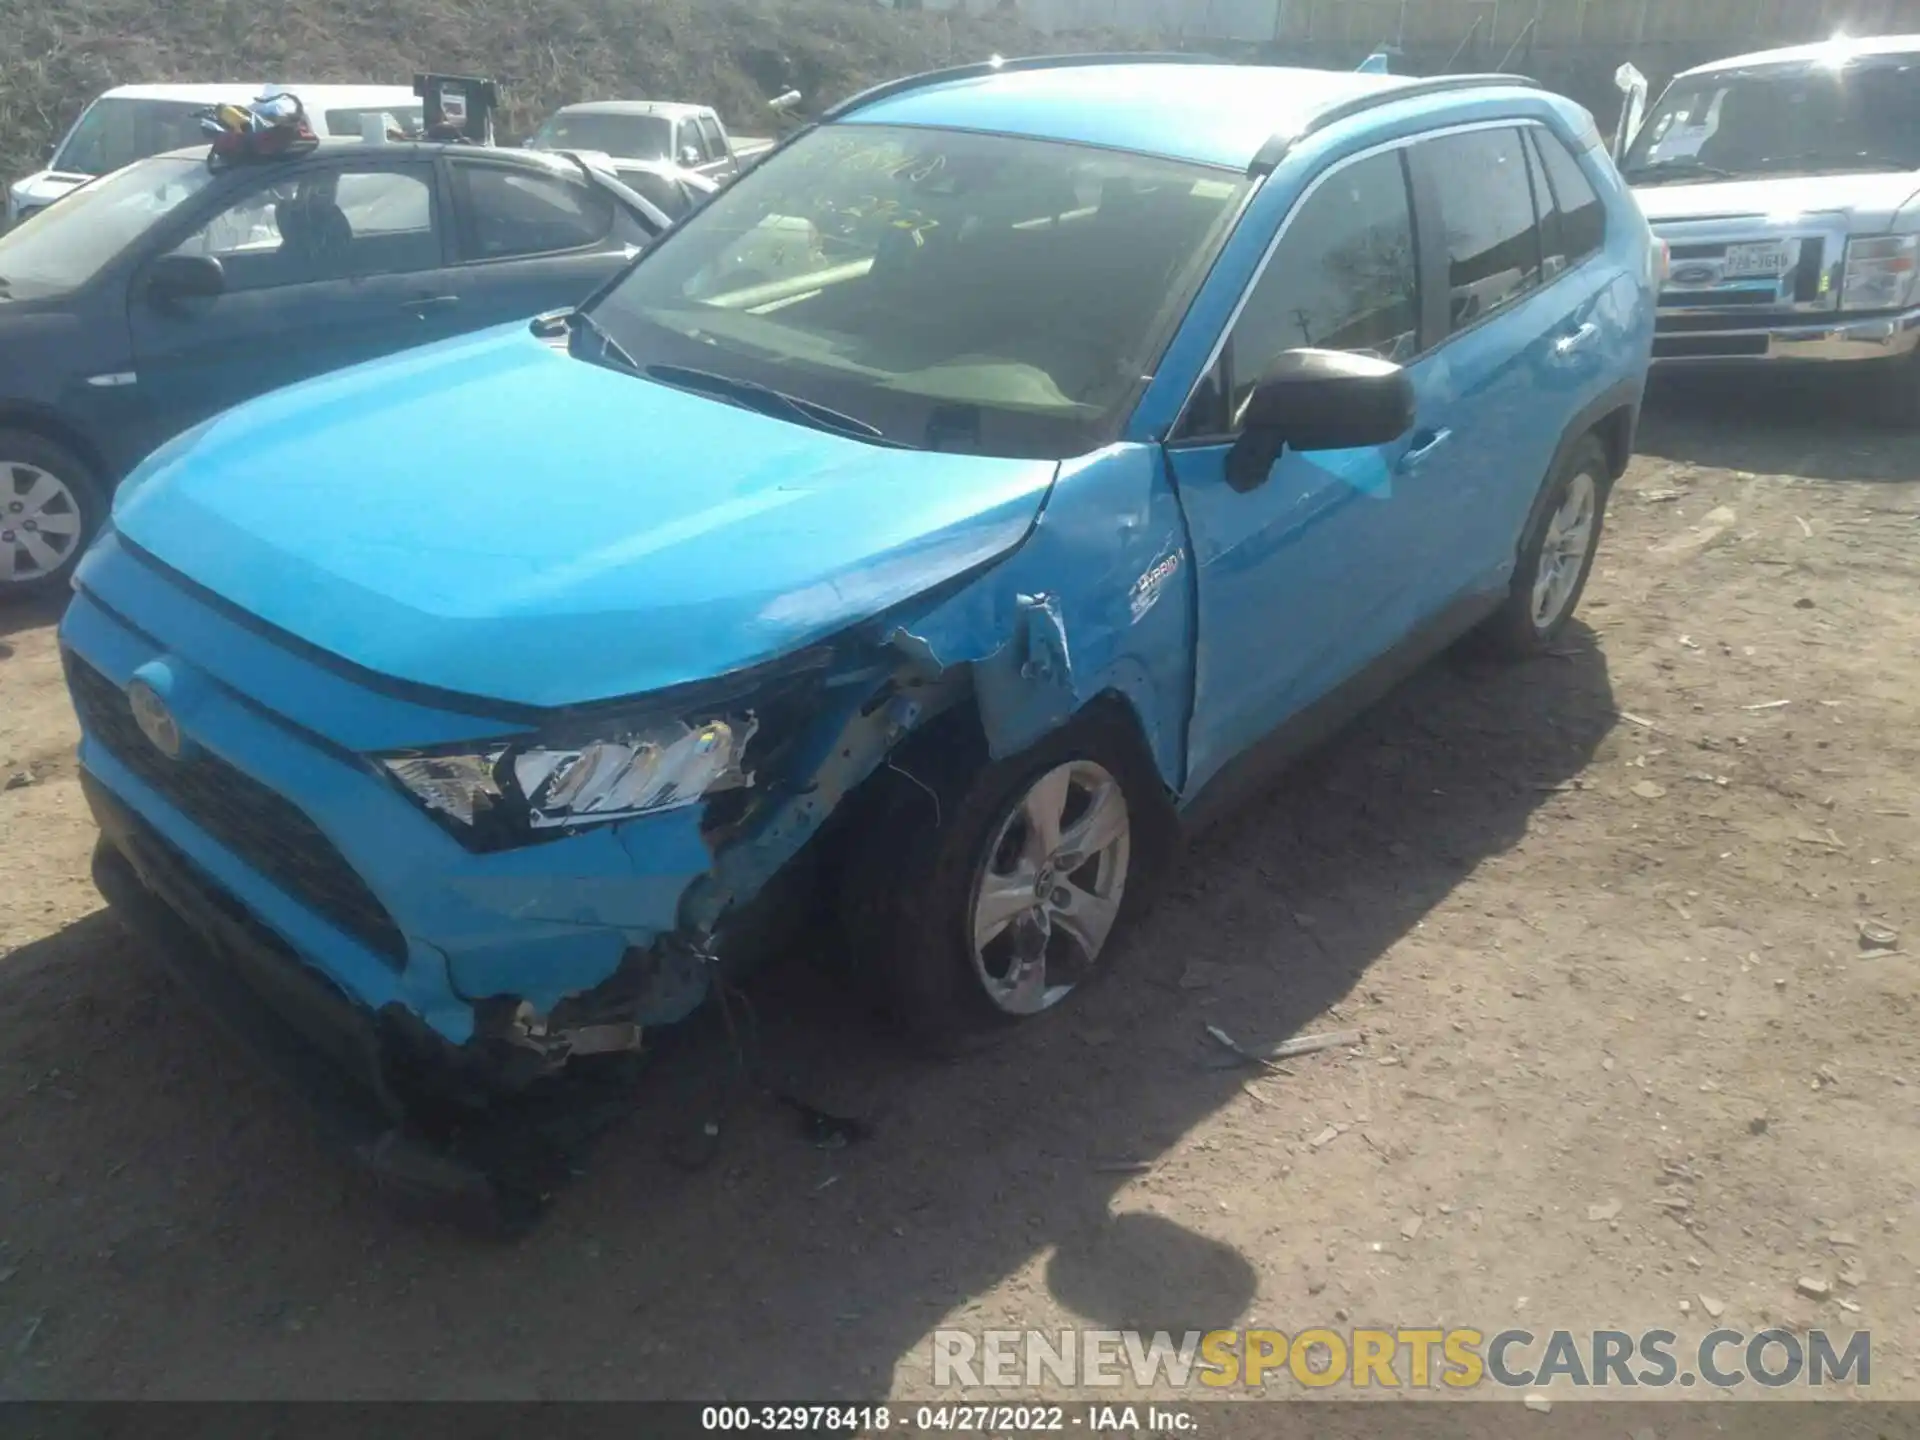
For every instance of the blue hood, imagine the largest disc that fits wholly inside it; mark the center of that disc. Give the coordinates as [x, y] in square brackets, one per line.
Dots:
[493, 517]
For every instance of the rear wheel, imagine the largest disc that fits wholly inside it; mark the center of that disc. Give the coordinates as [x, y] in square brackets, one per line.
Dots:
[1556, 553]
[49, 509]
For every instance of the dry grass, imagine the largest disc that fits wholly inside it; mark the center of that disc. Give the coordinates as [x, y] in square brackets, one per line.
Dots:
[57, 54]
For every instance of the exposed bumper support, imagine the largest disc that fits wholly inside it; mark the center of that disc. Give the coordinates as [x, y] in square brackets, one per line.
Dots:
[1883, 337]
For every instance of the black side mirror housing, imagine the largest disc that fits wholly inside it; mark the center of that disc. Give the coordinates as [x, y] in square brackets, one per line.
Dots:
[178, 278]
[1319, 400]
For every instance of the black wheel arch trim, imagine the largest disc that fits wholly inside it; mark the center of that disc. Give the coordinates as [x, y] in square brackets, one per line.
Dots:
[50, 425]
[1620, 399]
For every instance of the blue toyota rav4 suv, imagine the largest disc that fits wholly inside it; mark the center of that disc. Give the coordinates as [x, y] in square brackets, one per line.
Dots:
[918, 535]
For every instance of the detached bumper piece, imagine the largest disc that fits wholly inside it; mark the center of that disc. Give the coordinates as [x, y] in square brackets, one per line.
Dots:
[491, 1167]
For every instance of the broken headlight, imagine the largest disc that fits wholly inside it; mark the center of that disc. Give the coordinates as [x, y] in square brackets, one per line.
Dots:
[544, 785]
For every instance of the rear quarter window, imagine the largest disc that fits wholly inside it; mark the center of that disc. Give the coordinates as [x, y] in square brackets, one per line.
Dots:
[1581, 218]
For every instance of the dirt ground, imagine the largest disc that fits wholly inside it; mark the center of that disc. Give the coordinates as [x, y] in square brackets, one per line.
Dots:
[1599, 918]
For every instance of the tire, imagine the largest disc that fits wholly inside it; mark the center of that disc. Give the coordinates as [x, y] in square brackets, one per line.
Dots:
[1538, 607]
[50, 507]
[923, 859]
[1896, 394]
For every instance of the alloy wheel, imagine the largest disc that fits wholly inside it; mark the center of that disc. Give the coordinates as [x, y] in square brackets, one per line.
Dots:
[40, 522]
[1046, 898]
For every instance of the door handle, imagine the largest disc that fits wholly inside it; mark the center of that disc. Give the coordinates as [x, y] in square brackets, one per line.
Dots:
[423, 305]
[1569, 343]
[1417, 456]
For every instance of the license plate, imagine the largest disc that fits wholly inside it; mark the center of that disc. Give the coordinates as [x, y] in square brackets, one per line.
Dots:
[1749, 260]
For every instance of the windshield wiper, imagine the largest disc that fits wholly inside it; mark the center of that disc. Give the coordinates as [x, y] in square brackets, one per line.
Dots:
[764, 398]
[1694, 169]
[610, 348]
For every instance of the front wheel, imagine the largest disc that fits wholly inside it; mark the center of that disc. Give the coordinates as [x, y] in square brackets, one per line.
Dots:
[993, 898]
[1896, 393]
[49, 509]
[1556, 553]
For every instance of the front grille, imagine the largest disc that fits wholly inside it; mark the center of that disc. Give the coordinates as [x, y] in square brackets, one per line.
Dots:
[1720, 299]
[1799, 285]
[258, 825]
[1759, 319]
[1704, 347]
[1806, 275]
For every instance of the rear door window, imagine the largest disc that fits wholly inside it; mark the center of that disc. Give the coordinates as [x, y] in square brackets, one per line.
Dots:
[1488, 220]
[512, 212]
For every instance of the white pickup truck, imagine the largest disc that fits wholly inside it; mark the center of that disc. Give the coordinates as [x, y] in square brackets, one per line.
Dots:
[1787, 187]
[689, 136]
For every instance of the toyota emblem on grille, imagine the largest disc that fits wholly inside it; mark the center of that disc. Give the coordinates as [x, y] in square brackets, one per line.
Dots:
[156, 722]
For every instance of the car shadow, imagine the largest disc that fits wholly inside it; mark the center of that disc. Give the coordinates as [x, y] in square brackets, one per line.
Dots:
[722, 1241]
[1810, 427]
[29, 613]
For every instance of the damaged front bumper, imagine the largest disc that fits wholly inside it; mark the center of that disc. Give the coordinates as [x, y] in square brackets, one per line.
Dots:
[504, 964]
[509, 963]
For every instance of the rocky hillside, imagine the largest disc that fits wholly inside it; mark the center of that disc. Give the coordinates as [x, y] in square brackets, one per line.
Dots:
[58, 54]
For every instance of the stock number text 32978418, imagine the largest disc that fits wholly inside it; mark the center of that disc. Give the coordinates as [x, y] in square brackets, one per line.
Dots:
[872, 1419]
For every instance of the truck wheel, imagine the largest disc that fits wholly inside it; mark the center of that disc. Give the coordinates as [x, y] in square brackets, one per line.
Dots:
[1556, 554]
[50, 506]
[989, 897]
[1897, 394]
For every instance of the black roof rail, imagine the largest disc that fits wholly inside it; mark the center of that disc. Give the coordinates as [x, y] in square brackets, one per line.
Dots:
[1275, 150]
[886, 90]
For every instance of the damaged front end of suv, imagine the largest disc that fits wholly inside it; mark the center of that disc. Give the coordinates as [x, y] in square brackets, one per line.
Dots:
[459, 719]
[419, 934]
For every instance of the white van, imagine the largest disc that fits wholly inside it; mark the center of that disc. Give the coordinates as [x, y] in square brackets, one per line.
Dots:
[131, 122]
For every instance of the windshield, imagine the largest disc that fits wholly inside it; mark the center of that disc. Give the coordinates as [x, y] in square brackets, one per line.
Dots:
[629, 137]
[66, 245]
[953, 290]
[1805, 120]
[115, 132]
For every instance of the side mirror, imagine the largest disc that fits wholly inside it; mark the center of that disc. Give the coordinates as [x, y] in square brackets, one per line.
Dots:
[1319, 400]
[691, 157]
[178, 278]
[1632, 86]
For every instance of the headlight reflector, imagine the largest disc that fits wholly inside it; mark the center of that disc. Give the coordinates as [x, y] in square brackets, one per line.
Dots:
[552, 784]
[458, 786]
[663, 769]
[1879, 272]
